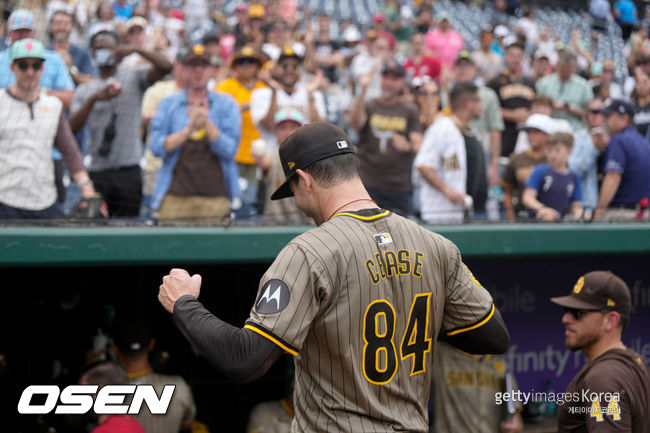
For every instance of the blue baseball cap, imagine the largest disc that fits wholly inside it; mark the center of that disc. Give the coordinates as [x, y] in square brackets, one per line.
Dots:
[21, 19]
[288, 114]
[618, 106]
[27, 49]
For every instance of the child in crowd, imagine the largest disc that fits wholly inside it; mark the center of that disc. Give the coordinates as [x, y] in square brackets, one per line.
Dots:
[553, 191]
[538, 127]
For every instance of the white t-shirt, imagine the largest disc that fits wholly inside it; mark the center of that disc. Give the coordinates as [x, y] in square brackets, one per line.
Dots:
[261, 102]
[26, 140]
[443, 149]
[362, 64]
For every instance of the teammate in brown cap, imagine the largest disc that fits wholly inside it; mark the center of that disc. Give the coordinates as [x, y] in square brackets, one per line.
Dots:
[359, 301]
[612, 391]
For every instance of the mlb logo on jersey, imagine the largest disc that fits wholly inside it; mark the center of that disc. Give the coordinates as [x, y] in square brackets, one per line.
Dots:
[383, 238]
[342, 144]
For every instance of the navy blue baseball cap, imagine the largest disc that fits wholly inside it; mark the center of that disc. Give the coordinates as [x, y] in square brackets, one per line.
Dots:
[618, 106]
[393, 67]
[309, 144]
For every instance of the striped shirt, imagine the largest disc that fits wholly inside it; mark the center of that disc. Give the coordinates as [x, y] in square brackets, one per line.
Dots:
[359, 302]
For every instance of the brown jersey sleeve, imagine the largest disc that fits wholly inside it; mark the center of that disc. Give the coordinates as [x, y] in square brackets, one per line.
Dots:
[289, 297]
[607, 405]
[467, 305]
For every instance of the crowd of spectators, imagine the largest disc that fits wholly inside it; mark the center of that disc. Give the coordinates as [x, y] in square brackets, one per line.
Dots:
[174, 110]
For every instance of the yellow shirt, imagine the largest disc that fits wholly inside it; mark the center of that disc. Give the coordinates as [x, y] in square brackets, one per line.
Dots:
[249, 133]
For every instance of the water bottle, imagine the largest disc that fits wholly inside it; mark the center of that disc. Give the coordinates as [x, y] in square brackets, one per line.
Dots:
[492, 204]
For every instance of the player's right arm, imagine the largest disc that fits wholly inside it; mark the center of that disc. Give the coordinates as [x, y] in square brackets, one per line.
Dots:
[471, 321]
[240, 354]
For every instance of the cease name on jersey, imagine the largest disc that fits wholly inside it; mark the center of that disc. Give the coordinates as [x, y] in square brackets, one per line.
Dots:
[109, 399]
[386, 264]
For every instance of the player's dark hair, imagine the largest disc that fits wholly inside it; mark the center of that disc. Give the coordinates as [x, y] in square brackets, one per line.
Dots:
[104, 33]
[625, 320]
[133, 338]
[460, 93]
[329, 172]
[107, 373]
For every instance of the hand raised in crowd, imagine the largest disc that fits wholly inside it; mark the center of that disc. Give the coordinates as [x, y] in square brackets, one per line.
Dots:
[366, 79]
[401, 143]
[121, 51]
[446, 77]
[267, 78]
[108, 92]
[315, 82]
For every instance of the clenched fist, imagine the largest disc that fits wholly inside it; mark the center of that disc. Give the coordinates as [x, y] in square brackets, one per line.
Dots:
[177, 284]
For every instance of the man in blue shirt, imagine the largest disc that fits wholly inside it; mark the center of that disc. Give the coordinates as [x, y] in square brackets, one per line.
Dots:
[626, 16]
[627, 165]
[197, 133]
[76, 58]
[599, 11]
[55, 79]
[123, 9]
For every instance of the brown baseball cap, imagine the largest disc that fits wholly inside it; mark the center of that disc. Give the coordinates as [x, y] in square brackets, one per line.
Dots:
[196, 52]
[598, 290]
[309, 144]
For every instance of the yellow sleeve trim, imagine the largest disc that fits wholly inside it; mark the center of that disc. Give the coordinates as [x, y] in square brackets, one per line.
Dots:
[286, 407]
[478, 325]
[273, 339]
[365, 218]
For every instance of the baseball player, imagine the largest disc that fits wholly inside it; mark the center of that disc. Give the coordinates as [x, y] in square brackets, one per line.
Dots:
[358, 300]
[612, 391]
[460, 381]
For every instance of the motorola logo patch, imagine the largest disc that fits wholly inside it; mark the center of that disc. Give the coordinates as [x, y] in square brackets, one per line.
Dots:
[273, 298]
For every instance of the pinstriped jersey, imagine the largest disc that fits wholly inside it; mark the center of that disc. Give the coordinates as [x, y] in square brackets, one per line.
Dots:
[359, 301]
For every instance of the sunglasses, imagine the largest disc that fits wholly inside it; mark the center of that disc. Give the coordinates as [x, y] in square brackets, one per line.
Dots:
[595, 111]
[194, 65]
[36, 66]
[423, 93]
[578, 313]
[246, 61]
